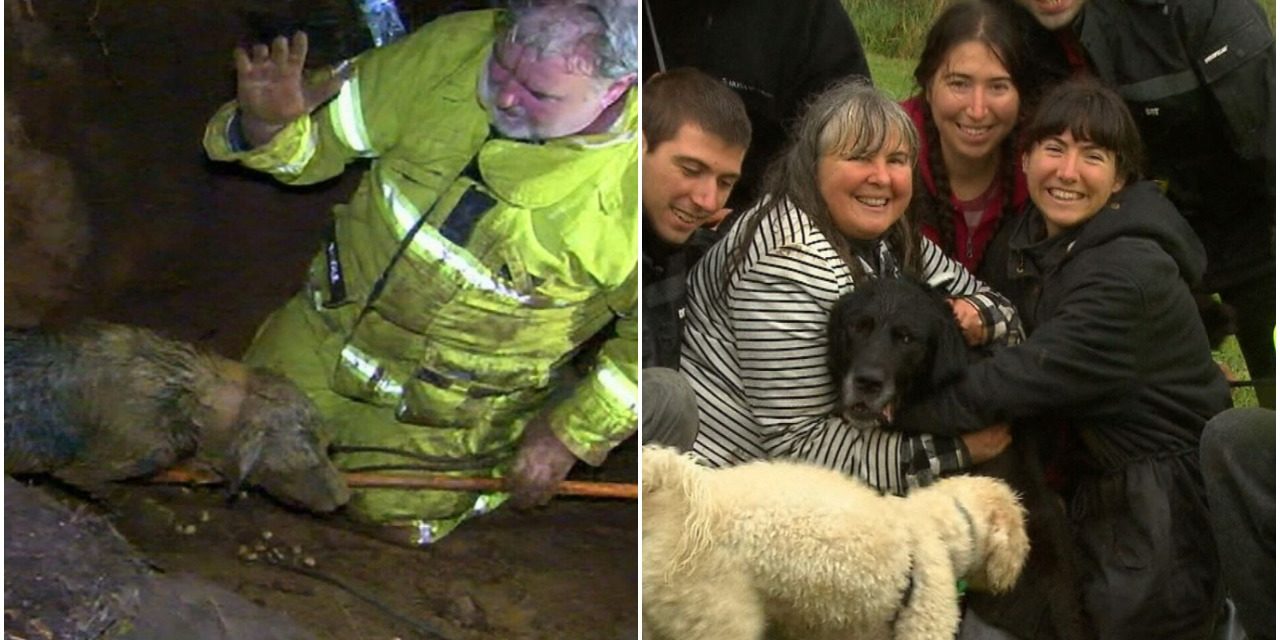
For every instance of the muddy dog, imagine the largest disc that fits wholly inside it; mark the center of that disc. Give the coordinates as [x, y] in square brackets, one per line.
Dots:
[99, 402]
[892, 342]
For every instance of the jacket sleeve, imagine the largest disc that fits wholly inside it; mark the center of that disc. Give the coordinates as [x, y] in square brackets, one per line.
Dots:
[778, 315]
[1234, 53]
[1077, 360]
[999, 316]
[601, 412]
[362, 121]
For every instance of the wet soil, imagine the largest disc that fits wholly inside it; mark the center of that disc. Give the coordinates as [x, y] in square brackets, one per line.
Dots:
[567, 571]
[121, 89]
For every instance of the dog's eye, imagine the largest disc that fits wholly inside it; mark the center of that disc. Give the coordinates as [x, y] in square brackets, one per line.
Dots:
[864, 325]
[903, 336]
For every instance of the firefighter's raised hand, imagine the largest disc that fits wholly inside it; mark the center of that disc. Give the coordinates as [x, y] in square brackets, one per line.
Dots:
[271, 89]
[541, 464]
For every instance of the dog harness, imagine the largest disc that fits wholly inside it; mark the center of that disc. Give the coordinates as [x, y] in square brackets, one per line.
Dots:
[907, 592]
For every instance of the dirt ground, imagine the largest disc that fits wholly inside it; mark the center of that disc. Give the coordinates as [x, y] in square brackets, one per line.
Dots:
[121, 90]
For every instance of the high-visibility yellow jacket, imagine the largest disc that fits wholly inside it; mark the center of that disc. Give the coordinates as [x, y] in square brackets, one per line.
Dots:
[462, 292]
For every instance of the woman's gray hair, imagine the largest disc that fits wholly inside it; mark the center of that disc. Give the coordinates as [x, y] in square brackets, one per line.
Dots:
[851, 119]
[608, 28]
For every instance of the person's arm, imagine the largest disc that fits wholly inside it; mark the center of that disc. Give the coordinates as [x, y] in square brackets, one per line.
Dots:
[778, 314]
[599, 414]
[998, 318]
[274, 125]
[1081, 358]
[303, 131]
[602, 411]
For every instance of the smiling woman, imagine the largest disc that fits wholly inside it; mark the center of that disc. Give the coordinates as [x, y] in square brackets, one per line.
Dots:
[1116, 375]
[1070, 180]
[866, 194]
[972, 81]
[1081, 153]
[755, 340]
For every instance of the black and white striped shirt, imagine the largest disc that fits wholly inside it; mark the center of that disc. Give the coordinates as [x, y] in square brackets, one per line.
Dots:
[757, 356]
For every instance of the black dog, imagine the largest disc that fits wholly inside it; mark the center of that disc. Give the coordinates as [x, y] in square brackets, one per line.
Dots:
[892, 342]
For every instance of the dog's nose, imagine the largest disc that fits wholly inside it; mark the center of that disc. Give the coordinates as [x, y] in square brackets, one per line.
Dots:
[869, 382]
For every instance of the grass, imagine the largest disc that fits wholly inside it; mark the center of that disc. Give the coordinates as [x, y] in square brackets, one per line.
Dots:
[893, 28]
[892, 75]
[893, 31]
[1230, 355]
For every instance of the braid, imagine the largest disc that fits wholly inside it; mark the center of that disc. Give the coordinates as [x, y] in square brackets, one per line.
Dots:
[939, 214]
[1008, 181]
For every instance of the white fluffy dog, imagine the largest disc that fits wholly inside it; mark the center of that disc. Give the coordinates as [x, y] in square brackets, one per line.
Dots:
[807, 552]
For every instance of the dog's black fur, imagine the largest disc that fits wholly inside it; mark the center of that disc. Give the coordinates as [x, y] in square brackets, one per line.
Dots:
[892, 342]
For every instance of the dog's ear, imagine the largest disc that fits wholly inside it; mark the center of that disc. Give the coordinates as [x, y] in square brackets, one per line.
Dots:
[950, 354]
[661, 467]
[838, 338]
[245, 455]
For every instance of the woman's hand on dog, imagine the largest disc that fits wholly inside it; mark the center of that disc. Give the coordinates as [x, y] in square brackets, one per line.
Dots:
[988, 442]
[970, 321]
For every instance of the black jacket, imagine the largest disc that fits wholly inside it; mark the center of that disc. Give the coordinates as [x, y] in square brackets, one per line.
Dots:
[663, 271]
[774, 53]
[1117, 354]
[1199, 78]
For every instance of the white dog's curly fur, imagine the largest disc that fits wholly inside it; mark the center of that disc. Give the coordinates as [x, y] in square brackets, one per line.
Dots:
[807, 552]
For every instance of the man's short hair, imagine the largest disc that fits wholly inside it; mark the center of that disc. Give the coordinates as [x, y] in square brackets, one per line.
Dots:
[607, 27]
[689, 96]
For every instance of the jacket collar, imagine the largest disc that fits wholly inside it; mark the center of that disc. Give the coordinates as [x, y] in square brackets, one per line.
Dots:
[535, 175]
[1032, 251]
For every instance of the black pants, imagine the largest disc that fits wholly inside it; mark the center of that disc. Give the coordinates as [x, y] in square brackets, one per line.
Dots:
[1238, 460]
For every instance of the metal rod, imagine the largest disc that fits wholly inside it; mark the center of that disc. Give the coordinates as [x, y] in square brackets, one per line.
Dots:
[619, 490]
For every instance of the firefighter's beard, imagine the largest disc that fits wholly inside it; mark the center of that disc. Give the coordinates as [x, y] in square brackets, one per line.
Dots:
[511, 123]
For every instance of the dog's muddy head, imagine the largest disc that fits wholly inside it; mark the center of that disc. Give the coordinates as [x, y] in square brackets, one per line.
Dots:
[280, 446]
[888, 341]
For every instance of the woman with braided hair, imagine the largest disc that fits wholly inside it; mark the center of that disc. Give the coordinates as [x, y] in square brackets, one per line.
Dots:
[972, 88]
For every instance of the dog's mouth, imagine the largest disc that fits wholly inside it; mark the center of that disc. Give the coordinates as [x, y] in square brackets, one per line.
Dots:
[865, 416]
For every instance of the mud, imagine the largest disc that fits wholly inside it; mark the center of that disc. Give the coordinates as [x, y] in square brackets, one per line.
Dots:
[69, 574]
[121, 90]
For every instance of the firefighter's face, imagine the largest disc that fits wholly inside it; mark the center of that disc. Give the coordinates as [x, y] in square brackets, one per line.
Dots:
[535, 94]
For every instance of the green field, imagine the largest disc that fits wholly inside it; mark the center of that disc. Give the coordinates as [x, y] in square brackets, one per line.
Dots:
[892, 32]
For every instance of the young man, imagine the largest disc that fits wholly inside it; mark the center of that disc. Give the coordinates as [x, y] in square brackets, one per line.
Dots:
[1199, 77]
[774, 54]
[695, 135]
[493, 235]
